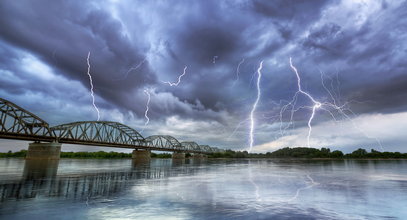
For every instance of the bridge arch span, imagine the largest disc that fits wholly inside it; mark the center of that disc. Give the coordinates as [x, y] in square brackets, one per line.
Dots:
[205, 148]
[103, 133]
[191, 146]
[164, 141]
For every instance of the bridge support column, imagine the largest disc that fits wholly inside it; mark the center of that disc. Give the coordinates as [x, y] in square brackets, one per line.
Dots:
[141, 155]
[178, 156]
[44, 151]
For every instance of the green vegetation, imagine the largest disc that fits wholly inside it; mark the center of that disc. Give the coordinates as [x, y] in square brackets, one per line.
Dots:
[20, 153]
[231, 154]
[305, 152]
[297, 152]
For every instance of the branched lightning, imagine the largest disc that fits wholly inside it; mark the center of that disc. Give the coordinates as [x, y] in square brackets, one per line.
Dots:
[255, 106]
[179, 78]
[147, 108]
[330, 108]
[314, 107]
[91, 88]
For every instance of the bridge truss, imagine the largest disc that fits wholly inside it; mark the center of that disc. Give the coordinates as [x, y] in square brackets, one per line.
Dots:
[18, 123]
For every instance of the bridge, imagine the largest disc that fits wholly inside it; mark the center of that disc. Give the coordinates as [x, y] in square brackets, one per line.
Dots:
[19, 124]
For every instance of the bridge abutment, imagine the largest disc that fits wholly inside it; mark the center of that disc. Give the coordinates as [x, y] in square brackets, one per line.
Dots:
[141, 155]
[44, 151]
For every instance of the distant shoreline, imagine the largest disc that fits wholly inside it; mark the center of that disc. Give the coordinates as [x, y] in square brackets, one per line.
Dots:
[298, 153]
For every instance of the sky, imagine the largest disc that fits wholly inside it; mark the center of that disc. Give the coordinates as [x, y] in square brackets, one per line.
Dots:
[350, 56]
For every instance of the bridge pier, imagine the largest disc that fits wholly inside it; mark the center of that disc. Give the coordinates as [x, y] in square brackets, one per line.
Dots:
[141, 155]
[178, 156]
[44, 151]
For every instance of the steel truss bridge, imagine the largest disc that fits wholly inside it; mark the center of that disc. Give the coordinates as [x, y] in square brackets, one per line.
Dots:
[20, 124]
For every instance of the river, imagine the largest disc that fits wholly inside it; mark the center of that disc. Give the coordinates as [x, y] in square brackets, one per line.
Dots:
[208, 189]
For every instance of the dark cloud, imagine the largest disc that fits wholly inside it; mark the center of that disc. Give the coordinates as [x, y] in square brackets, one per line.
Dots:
[62, 35]
[389, 96]
[44, 46]
[291, 10]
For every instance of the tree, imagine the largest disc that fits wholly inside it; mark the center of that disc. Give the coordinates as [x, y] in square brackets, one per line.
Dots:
[359, 153]
[336, 154]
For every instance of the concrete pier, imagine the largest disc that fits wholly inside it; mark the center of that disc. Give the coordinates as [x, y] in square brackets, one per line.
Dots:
[177, 156]
[141, 155]
[43, 151]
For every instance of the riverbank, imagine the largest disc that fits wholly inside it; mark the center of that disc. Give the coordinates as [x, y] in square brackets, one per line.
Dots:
[311, 153]
[284, 153]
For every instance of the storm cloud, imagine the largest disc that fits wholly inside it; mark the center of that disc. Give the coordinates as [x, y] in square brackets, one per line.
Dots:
[356, 48]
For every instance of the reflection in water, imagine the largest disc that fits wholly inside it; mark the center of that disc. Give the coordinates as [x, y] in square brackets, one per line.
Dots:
[179, 162]
[37, 175]
[203, 189]
[40, 178]
[40, 169]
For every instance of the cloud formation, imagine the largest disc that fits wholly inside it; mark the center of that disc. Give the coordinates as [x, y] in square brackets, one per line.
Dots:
[359, 46]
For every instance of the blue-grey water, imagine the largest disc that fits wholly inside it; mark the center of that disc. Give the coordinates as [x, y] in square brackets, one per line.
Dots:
[210, 189]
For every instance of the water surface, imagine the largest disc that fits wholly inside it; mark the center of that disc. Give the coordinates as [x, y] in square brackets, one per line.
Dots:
[210, 189]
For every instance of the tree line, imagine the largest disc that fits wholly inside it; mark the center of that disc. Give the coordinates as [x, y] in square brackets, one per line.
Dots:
[306, 152]
[287, 152]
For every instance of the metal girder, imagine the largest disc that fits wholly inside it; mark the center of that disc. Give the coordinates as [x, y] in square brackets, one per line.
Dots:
[164, 141]
[205, 148]
[18, 122]
[191, 146]
[104, 133]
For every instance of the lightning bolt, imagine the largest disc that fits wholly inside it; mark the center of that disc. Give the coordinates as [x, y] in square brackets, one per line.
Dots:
[134, 68]
[91, 88]
[237, 127]
[179, 78]
[316, 103]
[147, 108]
[238, 71]
[255, 106]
